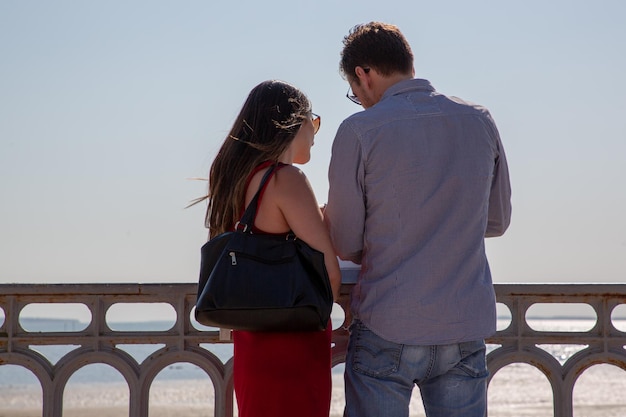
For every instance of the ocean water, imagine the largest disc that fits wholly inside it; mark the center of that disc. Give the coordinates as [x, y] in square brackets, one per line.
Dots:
[100, 373]
[516, 390]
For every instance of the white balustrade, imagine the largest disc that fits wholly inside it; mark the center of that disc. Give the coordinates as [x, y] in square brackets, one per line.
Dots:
[184, 342]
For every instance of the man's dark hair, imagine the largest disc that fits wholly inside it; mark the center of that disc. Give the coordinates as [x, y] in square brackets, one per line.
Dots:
[376, 45]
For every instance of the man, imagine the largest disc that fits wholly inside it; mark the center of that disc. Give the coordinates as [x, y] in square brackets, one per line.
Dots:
[417, 181]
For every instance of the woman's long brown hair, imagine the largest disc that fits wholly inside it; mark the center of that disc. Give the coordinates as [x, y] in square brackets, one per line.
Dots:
[263, 130]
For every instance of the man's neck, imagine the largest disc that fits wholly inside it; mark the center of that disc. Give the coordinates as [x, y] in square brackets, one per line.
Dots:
[387, 82]
[384, 82]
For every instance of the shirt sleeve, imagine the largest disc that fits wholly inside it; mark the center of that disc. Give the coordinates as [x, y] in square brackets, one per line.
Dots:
[499, 214]
[345, 210]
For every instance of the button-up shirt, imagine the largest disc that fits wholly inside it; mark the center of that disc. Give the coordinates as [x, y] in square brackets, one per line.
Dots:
[417, 182]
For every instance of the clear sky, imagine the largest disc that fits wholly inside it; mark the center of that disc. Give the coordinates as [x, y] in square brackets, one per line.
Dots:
[107, 107]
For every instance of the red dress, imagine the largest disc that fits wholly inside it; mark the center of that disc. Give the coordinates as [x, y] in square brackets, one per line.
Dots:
[282, 374]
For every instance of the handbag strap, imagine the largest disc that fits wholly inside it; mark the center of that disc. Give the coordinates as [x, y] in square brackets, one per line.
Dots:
[245, 224]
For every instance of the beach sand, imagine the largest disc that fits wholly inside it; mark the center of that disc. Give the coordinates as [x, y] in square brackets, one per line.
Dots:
[178, 411]
[517, 390]
[170, 411]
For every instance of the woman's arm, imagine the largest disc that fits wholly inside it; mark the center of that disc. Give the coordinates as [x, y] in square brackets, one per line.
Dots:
[296, 201]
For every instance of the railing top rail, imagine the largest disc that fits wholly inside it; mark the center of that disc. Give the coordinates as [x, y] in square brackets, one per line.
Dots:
[562, 289]
[516, 289]
[95, 289]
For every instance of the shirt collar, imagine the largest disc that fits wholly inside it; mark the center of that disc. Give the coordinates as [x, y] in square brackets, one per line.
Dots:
[414, 84]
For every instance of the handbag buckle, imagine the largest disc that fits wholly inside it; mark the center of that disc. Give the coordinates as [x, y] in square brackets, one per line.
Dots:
[245, 227]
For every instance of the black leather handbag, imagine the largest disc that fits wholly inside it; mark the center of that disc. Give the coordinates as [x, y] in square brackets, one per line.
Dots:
[259, 282]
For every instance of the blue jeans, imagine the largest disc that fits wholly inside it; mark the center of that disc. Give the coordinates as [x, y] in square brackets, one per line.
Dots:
[380, 376]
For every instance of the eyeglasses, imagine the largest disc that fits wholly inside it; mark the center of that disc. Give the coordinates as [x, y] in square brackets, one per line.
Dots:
[350, 94]
[317, 121]
[352, 97]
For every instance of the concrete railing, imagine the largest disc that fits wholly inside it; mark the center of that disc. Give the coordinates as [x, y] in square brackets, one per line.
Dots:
[517, 343]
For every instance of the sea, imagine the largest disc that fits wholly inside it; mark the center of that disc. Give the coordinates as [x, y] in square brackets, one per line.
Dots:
[185, 389]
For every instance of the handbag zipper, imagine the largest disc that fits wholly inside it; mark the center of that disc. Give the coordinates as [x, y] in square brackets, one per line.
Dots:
[233, 258]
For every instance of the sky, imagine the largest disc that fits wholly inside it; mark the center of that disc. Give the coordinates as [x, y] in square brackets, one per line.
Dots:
[107, 109]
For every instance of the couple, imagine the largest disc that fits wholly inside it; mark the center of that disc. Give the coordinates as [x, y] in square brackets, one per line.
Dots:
[417, 181]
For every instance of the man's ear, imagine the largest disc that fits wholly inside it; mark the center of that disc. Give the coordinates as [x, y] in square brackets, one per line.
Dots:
[362, 75]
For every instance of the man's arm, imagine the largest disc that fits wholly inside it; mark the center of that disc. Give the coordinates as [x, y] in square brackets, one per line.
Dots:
[345, 210]
[499, 216]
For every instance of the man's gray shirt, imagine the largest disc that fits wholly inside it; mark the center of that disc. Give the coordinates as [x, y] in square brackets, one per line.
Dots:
[416, 184]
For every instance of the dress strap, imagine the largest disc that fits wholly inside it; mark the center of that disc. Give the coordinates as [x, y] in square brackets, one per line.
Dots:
[259, 195]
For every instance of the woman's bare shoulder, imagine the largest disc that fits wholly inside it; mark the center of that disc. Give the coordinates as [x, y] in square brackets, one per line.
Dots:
[292, 184]
[290, 170]
[290, 176]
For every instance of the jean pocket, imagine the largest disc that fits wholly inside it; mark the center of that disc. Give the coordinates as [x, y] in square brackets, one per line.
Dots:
[373, 355]
[473, 360]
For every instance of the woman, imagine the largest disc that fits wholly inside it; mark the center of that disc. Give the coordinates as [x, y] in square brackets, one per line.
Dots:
[275, 374]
